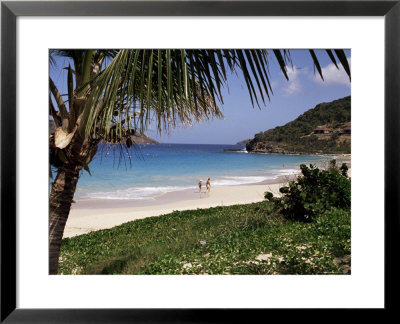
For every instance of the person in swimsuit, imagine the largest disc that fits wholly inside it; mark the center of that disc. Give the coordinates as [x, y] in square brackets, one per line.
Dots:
[200, 184]
[208, 185]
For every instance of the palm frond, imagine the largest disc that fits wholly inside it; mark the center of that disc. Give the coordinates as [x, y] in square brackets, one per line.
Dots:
[343, 59]
[164, 87]
[340, 54]
[282, 61]
[64, 115]
[316, 63]
[332, 57]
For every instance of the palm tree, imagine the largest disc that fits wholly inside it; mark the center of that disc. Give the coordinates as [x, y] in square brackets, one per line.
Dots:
[113, 94]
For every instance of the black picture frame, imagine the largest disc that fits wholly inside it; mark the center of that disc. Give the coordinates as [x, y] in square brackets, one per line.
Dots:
[10, 10]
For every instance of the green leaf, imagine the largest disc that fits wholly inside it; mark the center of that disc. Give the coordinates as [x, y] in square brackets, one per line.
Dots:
[281, 62]
[247, 77]
[251, 63]
[332, 57]
[343, 59]
[316, 63]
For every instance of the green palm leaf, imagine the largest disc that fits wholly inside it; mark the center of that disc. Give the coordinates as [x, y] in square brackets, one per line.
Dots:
[166, 87]
[316, 63]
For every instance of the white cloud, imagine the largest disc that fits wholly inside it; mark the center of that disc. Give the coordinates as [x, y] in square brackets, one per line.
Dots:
[332, 75]
[293, 86]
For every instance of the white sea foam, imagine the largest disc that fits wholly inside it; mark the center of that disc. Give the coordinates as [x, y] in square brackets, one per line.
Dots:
[137, 193]
[281, 172]
[234, 181]
[149, 193]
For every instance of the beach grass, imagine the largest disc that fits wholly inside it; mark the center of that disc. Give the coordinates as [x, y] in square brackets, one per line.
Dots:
[238, 239]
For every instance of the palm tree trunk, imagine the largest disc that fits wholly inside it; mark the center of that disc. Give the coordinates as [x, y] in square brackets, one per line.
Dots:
[61, 197]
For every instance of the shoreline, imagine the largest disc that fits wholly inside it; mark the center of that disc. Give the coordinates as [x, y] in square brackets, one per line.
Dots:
[96, 214]
[184, 194]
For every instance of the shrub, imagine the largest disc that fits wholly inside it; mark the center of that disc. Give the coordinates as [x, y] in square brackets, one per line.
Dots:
[268, 195]
[314, 192]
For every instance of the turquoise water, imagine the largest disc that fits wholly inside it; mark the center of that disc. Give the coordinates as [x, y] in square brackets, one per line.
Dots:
[151, 170]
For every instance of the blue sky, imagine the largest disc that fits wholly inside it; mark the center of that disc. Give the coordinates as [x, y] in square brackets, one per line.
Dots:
[303, 91]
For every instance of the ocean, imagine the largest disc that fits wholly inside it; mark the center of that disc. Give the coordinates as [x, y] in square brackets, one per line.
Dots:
[149, 170]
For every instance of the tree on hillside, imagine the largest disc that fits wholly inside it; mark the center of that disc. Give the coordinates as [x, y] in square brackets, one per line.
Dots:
[113, 94]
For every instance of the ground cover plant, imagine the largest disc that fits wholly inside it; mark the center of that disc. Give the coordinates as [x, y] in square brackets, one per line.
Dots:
[242, 239]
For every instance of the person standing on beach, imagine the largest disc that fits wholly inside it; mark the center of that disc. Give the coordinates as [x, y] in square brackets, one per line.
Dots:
[200, 184]
[208, 185]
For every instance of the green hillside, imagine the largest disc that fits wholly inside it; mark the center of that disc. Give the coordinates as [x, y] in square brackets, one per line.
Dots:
[325, 129]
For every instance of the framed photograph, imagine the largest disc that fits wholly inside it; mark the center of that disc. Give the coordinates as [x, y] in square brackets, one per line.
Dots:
[181, 57]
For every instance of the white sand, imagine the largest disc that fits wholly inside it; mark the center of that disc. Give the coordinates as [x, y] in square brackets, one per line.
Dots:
[93, 215]
[86, 216]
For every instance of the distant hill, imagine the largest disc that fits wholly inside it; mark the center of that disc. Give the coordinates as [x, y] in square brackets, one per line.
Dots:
[325, 129]
[136, 139]
[143, 139]
[244, 142]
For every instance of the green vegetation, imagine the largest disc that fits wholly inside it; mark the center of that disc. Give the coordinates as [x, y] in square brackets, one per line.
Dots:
[297, 136]
[113, 94]
[259, 238]
[314, 192]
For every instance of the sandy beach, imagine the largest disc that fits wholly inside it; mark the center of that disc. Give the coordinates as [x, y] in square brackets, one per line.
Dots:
[96, 214]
